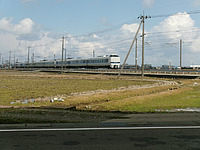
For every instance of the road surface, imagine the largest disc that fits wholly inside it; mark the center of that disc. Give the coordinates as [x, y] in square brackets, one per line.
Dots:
[136, 131]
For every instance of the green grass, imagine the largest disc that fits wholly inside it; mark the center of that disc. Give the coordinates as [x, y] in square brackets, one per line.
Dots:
[113, 97]
[186, 97]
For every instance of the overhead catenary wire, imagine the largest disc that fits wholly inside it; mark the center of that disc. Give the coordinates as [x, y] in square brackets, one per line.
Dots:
[115, 27]
[176, 14]
[119, 25]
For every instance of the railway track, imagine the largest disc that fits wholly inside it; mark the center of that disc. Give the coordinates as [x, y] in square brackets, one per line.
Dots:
[148, 73]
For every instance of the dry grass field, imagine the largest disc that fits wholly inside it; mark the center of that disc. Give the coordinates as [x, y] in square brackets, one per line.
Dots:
[91, 93]
[42, 87]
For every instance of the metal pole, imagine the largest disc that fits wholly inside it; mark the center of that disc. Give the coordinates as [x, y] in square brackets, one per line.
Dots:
[9, 60]
[181, 53]
[14, 63]
[33, 57]
[93, 53]
[143, 48]
[63, 38]
[65, 58]
[136, 54]
[54, 60]
[28, 56]
[2, 62]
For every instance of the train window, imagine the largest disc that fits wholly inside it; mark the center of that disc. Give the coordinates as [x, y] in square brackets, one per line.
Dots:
[105, 60]
[114, 56]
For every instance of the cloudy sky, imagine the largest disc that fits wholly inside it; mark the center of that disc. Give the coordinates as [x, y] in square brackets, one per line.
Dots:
[106, 26]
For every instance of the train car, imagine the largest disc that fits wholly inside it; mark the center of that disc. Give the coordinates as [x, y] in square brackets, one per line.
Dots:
[108, 61]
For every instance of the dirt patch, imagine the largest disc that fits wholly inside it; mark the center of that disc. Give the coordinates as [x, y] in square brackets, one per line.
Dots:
[157, 84]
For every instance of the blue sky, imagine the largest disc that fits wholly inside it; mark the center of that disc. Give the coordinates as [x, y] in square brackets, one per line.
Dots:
[41, 24]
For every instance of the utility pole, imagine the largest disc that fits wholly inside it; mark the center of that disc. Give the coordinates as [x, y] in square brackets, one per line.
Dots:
[181, 53]
[143, 34]
[169, 64]
[33, 57]
[130, 49]
[65, 58]
[136, 54]
[14, 63]
[143, 49]
[93, 53]
[63, 40]
[0, 60]
[28, 55]
[9, 60]
[54, 59]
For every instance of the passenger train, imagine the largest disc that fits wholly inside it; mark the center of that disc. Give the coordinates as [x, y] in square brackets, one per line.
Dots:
[108, 61]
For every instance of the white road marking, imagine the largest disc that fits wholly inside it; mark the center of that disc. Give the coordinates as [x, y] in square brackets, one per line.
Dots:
[105, 128]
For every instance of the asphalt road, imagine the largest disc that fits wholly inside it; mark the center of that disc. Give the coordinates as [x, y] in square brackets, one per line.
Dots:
[156, 134]
[184, 139]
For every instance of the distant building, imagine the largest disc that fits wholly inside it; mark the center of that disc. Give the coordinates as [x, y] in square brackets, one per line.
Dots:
[195, 66]
[166, 67]
[131, 67]
[148, 66]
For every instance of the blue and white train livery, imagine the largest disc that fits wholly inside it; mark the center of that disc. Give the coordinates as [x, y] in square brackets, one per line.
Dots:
[108, 61]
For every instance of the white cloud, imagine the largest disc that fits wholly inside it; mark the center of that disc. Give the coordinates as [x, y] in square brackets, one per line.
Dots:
[169, 32]
[148, 3]
[178, 22]
[83, 47]
[129, 30]
[17, 37]
[129, 27]
[43, 47]
[8, 42]
[95, 36]
[25, 26]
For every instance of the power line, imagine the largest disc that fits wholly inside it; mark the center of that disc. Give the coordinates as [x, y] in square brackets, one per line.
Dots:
[115, 27]
[176, 14]
[170, 31]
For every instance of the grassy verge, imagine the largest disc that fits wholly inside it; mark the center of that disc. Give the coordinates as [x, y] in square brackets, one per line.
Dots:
[116, 96]
[160, 99]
